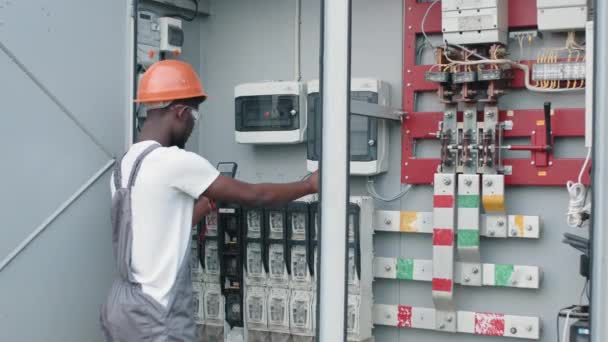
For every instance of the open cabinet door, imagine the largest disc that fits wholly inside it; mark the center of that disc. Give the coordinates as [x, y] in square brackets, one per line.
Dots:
[65, 95]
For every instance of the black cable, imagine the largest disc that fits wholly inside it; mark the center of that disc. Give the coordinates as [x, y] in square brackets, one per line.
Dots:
[183, 17]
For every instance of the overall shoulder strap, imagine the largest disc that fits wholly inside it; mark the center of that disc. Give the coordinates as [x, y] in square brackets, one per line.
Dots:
[137, 164]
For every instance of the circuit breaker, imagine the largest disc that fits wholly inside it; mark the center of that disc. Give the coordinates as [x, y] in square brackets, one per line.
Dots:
[298, 217]
[255, 265]
[278, 310]
[368, 136]
[270, 112]
[475, 21]
[213, 305]
[301, 308]
[276, 241]
[562, 15]
[257, 308]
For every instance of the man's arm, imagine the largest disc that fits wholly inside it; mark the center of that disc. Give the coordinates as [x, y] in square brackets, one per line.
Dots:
[261, 195]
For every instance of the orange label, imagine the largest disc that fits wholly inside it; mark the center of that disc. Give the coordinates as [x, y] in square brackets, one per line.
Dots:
[519, 224]
[542, 173]
[540, 122]
[407, 221]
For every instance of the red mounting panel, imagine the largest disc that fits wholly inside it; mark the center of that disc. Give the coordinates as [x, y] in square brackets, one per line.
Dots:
[541, 169]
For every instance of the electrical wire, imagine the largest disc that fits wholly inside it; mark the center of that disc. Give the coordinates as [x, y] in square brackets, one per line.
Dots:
[566, 324]
[578, 197]
[371, 189]
[523, 67]
[183, 17]
[426, 14]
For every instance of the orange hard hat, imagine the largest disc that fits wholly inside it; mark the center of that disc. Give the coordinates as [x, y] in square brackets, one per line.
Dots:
[169, 80]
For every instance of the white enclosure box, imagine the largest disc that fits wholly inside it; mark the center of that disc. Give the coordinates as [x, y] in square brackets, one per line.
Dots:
[562, 15]
[475, 21]
[300, 313]
[171, 35]
[213, 304]
[270, 112]
[369, 136]
[256, 308]
[278, 310]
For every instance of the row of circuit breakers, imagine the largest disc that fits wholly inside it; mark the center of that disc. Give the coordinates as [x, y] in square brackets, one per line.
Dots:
[256, 269]
[289, 112]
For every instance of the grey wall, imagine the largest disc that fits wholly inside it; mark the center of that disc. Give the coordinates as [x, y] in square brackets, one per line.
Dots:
[245, 41]
[58, 58]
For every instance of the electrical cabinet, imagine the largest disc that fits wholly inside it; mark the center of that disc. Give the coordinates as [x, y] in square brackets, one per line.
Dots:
[270, 113]
[368, 136]
[562, 15]
[475, 21]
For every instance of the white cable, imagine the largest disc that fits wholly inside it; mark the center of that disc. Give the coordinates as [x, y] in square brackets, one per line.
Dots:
[426, 14]
[578, 194]
[565, 331]
[372, 191]
[523, 67]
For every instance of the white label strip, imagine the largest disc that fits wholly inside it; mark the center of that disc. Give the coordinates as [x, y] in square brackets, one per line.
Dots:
[498, 275]
[468, 322]
[492, 226]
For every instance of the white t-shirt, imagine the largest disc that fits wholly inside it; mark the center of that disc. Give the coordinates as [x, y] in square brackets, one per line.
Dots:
[169, 181]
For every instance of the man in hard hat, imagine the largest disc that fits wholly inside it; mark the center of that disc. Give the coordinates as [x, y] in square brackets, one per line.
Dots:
[158, 194]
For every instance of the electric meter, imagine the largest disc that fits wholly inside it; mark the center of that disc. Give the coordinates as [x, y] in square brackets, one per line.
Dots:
[301, 313]
[369, 136]
[171, 35]
[278, 310]
[475, 21]
[256, 308]
[213, 305]
[270, 113]
[300, 277]
[148, 38]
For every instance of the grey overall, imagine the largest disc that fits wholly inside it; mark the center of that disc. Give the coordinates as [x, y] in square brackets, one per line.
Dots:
[129, 315]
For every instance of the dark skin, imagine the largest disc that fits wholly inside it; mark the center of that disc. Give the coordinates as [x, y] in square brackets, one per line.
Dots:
[172, 126]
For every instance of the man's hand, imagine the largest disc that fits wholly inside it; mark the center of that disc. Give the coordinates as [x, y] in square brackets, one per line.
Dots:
[202, 208]
[313, 181]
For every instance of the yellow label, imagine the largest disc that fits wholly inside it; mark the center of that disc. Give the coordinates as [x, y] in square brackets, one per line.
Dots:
[510, 113]
[407, 221]
[542, 173]
[519, 224]
[493, 203]
[540, 122]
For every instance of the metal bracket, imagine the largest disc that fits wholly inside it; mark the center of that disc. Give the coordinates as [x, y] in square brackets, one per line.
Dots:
[375, 110]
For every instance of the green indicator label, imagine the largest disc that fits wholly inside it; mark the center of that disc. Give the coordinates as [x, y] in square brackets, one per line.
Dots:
[405, 269]
[468, 238]
[468, 201]
[502, 275]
